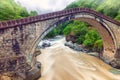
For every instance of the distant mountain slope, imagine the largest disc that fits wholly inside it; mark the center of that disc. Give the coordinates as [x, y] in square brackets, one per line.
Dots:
[11, 10]
[107, 7]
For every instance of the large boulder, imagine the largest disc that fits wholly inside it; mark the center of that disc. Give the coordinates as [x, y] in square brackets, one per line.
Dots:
[43, 44]
[69, 44]
[77, 47]
[115, 63]
[34, 73]
[71, 38]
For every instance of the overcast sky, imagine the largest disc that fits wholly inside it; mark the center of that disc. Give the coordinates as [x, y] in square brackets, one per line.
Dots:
[44, 6]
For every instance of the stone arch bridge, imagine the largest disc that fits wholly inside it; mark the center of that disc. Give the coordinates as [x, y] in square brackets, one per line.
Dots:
[19, 38]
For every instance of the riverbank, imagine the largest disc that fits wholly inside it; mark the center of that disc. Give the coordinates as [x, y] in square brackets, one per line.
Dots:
[62, 63]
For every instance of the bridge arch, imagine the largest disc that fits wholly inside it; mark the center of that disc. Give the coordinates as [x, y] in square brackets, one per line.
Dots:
[19, 38]
[109, 41]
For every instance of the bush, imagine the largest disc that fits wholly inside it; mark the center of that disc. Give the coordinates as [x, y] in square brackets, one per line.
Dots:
[98, 45]
[80, 39]
[91, 37]
[67, 30]
[53, 33]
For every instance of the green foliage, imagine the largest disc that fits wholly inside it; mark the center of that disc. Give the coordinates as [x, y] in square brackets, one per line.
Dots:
[6, 10]
[98, 44]
[77, 28]
[91, 37]
[33, 13]
[72, 5]
[52, 33]
[81, 39]
[11, 10]
[118, 18]
[59, 29]
[84, 34]
[67, 30]
[24, 13]
[107, 7]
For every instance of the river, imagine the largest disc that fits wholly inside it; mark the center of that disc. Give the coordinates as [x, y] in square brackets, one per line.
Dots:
[62, 63]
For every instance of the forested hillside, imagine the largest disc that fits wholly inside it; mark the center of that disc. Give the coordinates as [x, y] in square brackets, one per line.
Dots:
[11, 10]
[110, 8]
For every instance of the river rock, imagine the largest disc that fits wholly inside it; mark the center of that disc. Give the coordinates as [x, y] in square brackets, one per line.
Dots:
[77, 47]
[94, 54]
[115, 63]
[69, 44]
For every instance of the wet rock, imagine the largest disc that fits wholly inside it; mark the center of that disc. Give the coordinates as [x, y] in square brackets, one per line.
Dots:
[71, 38]
[43, 44]
[77, 47]
[69, 44]
[94, 54]
[115, 63]
[38, 65]
[85, 50]
[35, 73]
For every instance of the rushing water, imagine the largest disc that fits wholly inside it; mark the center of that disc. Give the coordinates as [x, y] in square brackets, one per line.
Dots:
[62, 63]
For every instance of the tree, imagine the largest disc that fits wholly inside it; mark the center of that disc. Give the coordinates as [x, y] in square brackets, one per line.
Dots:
[67, 30]
[53, 33]
[24, 13]
[91, 37]
[77, 28]
[9, 9]
[107, 7]
[72, 5]
[118, 17]
[33, 13]
[80, 39]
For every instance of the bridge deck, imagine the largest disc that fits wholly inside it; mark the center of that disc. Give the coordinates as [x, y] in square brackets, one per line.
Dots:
[27, 20]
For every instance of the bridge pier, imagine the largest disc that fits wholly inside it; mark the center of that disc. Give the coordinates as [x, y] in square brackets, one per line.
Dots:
[24, 71]
[116, 61]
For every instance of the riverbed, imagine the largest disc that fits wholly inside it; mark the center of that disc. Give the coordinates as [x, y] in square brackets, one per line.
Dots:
[62, 63]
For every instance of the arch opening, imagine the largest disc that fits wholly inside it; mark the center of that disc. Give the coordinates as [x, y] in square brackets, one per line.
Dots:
[109, 49]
